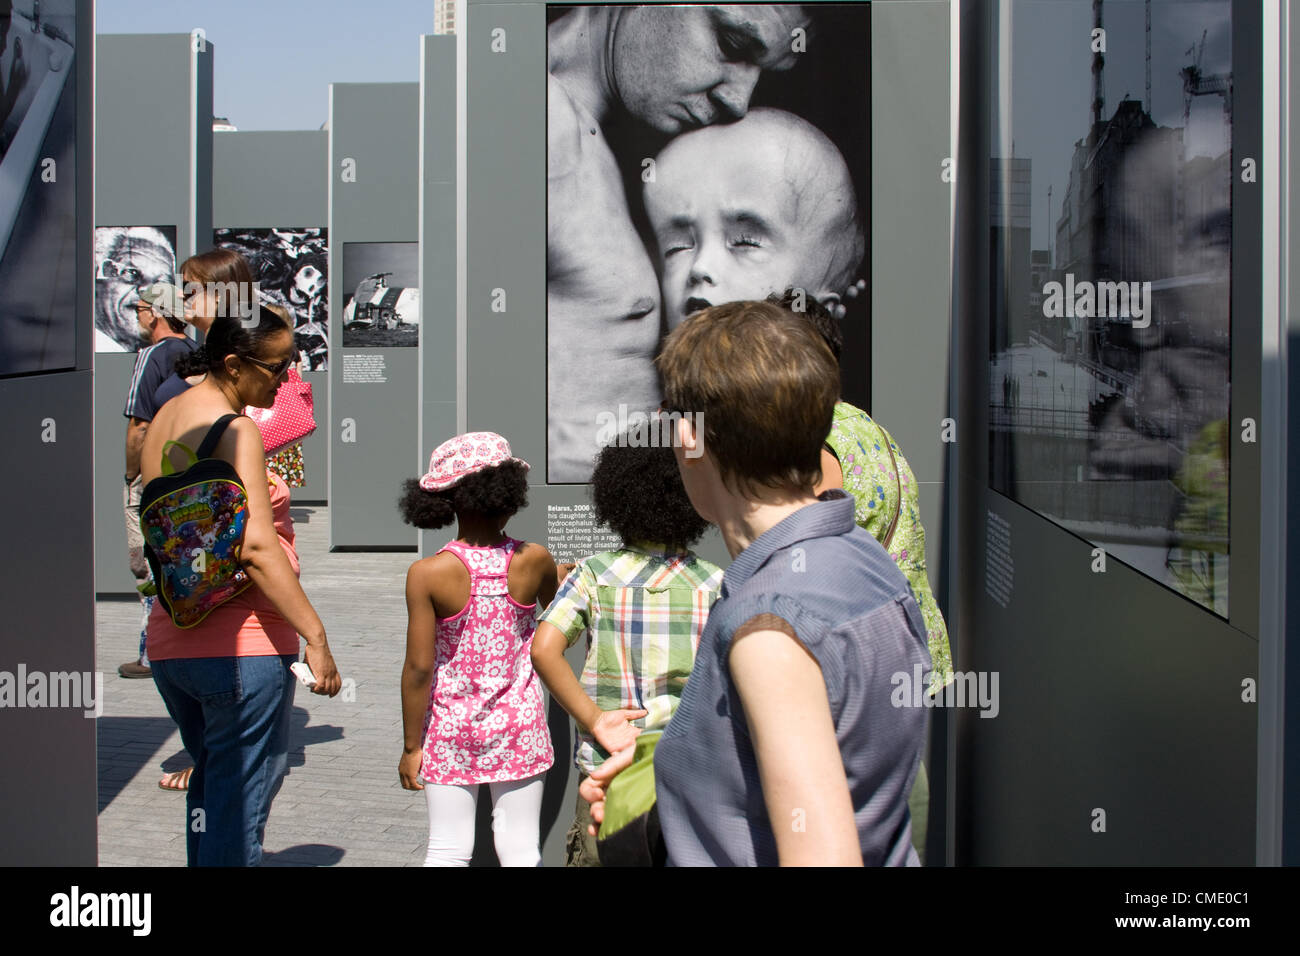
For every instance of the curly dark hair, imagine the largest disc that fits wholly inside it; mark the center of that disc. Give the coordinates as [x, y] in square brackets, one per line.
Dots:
[499, 490]
[638, 494]
[827, 326]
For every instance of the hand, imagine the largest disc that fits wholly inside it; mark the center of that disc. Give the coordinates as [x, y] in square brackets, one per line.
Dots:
[562, 571]
[321, 662]
[593, 788]
[612, 730]
[408, 769]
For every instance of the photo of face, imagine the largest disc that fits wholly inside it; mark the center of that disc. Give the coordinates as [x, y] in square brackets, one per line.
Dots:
[742, 210]
[128, 258]
[678, 68]
[308, 283]
[696, 154]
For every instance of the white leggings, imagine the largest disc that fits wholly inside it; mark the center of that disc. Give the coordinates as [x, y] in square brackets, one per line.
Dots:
[516, 811]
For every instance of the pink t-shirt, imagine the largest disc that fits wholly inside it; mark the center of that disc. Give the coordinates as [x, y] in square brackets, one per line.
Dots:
[247, 625]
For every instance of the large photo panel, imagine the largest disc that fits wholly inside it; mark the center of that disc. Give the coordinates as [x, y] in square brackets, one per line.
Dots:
[1109, 358]
[38, 188]
[127, 259]
[696, 155]
[291, 268]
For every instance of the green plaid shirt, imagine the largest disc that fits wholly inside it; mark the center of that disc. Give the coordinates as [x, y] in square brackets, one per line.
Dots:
[643, 609]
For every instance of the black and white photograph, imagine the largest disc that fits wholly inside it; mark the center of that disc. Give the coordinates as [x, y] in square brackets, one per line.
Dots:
[128, 258]
[381, 308]
[291, 268]
[1110, 359]
[696, 155]
[38, 190]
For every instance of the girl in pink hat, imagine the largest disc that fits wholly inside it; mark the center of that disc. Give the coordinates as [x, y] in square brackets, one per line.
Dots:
[472, 707]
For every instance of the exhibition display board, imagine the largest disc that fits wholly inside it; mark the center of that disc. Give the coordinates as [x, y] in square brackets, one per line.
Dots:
[1109, 391]
[572, 324]
[437, 280]
[48, 686]
[153, 209]
[270, 203]
[374, 303]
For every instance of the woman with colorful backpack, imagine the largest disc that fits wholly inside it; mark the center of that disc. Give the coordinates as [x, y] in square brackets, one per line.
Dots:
[224, 633]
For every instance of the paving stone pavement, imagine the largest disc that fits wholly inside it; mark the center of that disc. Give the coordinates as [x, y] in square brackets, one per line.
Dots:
[341, 803]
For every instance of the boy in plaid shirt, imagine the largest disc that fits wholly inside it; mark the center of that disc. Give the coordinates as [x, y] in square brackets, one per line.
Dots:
[643, 608]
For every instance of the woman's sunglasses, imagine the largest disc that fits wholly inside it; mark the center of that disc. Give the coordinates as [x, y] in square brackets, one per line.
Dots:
[276, 370]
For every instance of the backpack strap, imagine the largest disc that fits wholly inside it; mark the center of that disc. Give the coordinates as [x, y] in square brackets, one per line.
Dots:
[167, 467]
[205, 447]
[209, 443]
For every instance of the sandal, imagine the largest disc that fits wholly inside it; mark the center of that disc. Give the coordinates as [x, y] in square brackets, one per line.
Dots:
[178, 780]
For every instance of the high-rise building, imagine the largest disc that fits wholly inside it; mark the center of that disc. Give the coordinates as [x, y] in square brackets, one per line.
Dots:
[1010, 185]
[444, 16]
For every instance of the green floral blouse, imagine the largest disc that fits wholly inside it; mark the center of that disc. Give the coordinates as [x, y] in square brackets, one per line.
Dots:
[862, 447]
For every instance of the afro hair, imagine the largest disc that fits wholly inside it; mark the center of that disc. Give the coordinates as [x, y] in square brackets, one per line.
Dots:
[491, 493]
[638, 494]
[802, 304]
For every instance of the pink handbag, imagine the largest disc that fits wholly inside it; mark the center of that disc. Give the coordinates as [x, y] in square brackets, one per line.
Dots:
[290, 418]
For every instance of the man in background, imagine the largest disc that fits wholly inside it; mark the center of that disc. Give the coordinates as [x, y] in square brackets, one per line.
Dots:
[159, 312]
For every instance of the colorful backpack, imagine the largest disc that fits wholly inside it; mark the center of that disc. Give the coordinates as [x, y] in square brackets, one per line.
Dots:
[193, 525]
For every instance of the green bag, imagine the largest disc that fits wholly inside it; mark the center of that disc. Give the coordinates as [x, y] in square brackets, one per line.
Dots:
[630, 834]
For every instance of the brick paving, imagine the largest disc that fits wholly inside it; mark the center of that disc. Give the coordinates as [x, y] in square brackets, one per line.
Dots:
[341, 803]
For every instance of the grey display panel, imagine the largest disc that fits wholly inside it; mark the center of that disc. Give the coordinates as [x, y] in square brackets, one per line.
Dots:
[438, 246]
[505, 275]
[38, 188]
[1109, 367]
[140, 182]
[50, 620]
[374, 402]
[724, 161]
[1128, 712]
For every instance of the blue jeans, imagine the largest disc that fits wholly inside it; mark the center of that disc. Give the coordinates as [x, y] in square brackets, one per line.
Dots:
[233, 714]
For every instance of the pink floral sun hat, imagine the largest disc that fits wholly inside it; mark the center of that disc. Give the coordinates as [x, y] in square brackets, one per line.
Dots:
[463, 455]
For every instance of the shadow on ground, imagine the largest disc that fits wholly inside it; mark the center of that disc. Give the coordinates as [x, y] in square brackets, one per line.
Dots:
[119, 765]
[305, 854]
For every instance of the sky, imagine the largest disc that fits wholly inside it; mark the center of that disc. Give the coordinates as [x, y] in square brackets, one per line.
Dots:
[275, 59]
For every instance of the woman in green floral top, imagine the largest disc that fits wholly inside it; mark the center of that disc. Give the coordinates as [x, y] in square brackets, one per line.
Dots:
[873, 470]
[863, 459]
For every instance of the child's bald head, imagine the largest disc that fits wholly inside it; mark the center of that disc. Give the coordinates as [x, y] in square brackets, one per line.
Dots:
[753, 207]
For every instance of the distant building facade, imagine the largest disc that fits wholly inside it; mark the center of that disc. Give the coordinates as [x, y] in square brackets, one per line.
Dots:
[444, 16]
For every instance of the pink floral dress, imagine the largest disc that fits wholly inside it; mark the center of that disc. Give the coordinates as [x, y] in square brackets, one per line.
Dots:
[486, 720]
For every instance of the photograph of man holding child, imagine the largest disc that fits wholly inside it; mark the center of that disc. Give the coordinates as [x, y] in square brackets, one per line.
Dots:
[696, 154]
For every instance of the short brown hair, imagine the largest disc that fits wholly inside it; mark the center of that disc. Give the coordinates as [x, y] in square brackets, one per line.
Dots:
[766, 384]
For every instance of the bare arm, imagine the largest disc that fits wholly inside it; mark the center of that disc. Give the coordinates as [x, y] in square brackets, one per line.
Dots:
[550, 578]
[610, 728]
[548, 660]
[135, 431]
[417, 672]
[799, 762]
[265, 561]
